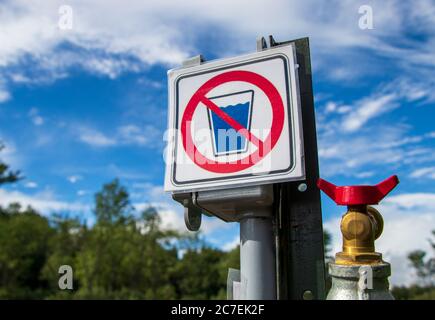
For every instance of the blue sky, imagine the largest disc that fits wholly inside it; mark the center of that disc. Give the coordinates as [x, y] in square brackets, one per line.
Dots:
[81, 106]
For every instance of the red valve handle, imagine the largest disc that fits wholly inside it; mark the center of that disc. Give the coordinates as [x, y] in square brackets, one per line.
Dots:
[358, 195]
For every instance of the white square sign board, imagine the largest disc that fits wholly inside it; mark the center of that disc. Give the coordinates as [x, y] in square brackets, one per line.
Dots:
[235, 122]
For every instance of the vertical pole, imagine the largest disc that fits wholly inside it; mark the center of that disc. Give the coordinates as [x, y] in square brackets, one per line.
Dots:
[257, 259]
[301, 267]
[257, 249]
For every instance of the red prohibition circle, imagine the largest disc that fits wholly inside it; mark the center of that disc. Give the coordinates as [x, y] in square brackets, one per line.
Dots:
[275, 131]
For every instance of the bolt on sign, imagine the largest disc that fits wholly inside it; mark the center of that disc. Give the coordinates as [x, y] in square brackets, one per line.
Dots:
[235, 122]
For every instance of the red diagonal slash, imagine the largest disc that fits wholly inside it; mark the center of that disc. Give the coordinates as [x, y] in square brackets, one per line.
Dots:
[233, 123]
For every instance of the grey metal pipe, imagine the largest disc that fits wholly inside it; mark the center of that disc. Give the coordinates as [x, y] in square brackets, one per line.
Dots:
[354, 282]
[257, 259]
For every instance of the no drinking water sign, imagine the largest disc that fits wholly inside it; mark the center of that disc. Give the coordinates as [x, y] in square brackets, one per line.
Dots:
[235, 122]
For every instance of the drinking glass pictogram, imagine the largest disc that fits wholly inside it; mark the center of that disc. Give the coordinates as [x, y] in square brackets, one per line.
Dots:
[225, 139]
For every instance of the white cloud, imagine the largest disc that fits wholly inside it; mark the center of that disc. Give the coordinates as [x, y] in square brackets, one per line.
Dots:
[9, 154]
[231, 244]
[413, 201]
[408, 221]
[350, 143]
[95, 138]
[31, 185]
[364, 174]
[43, 202]
[133, 134]
[352, 155]
[170, 211]
[151, 83]
[386, 98]
[332, 107]
[367, 109]
[81, 193]
[130, 134]
[172, 216]
[427, 172]
[36, 118]
[167, 31]
[145, 135]
[31, 30]
[74, 178]
[4, 95]
[20, 78]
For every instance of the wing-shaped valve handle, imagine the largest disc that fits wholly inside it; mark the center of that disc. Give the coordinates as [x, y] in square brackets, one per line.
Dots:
[358, 195]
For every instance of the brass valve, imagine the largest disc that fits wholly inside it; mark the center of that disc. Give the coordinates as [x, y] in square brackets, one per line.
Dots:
[360, 227]
[362, 224]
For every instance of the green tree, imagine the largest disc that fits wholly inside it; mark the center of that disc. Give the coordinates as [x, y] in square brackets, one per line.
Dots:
[6, 175]
[65, 243]
[125, 255]
[413, 292]
[24, 240]
[112, 204]
[24, 237]
[425, 271]
[424, 267]
[106, 244]
[230, 259]
[198, 274]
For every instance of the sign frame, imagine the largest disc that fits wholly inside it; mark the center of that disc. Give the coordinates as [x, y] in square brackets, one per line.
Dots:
[291, 102]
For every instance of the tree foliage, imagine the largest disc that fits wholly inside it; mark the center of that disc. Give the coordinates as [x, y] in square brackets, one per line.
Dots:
[125, 254]
[6, 175]
[423, 265]
[24, 243]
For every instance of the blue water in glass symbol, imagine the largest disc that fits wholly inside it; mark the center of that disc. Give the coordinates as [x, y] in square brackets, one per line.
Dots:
[226, 139]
